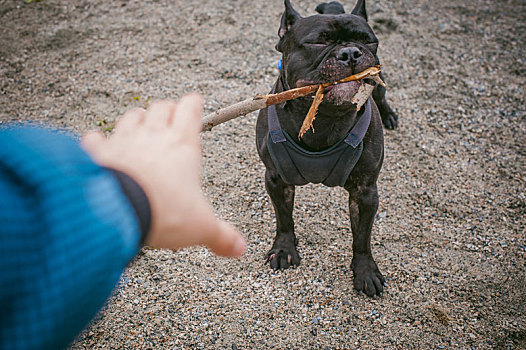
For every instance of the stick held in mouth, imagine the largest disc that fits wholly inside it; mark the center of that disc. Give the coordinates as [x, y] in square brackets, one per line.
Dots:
[262, 101]
[364, 91]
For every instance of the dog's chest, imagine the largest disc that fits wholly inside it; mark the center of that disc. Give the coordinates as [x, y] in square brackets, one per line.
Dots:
[330, 166]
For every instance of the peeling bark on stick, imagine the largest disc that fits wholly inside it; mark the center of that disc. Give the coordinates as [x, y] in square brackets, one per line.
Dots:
[364, 91]
[311, 115]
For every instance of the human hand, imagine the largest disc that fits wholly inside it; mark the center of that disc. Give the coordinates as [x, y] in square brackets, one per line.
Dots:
[160, 149]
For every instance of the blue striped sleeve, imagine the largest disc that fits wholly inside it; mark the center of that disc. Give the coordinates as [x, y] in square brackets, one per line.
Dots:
[67, 231]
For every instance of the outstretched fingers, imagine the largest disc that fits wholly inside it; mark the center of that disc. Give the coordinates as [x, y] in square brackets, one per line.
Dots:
[187, 117]
[160, 148]
[159, 115]
[130, 121]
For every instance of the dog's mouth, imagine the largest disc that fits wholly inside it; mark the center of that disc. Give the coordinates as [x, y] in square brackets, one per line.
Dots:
[337, 94]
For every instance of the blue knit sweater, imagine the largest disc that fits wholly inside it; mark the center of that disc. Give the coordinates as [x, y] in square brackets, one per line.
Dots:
[68, 228]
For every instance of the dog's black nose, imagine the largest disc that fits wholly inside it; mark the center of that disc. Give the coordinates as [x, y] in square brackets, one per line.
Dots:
[349, 55]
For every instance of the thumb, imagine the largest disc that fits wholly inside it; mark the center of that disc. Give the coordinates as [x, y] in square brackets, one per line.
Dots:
[225, 240]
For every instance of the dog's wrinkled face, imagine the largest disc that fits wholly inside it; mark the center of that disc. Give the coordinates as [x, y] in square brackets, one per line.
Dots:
[326, 48]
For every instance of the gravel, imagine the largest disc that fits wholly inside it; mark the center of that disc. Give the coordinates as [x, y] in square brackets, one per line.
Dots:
[450, 231]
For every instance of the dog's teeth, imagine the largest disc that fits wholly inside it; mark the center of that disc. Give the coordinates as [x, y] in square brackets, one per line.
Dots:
[289, 259]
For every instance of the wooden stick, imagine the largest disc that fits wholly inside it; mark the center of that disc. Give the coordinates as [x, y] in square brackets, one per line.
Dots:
[311, 115]
[236, 110]
[261, 101]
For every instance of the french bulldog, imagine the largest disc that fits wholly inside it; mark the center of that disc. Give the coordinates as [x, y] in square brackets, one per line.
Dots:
[345, 147]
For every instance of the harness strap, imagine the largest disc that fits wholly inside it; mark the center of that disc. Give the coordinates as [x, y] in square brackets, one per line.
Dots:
[360, 128]
[276, 134]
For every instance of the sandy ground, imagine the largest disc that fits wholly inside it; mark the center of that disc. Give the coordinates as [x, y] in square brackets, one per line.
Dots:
[450, 231]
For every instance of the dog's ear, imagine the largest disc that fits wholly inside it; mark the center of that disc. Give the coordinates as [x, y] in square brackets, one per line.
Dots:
[290, 16]
[330, 8]
[359, 9]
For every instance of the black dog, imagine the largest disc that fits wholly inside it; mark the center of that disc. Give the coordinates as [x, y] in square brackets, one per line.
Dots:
[347, 147]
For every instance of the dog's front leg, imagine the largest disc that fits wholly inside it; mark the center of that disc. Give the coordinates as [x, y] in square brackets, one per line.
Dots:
[389, 117]
[363, 204]
[283, 253]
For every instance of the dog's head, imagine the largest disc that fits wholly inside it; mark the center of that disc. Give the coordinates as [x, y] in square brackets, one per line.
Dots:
[326, 48]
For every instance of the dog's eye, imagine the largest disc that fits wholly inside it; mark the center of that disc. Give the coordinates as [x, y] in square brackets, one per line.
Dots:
[314, 44]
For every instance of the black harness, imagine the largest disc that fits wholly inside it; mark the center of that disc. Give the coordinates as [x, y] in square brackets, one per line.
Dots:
[332, 166]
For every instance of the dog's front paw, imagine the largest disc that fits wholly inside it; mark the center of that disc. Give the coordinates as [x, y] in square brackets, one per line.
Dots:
[367, 277]
[282, 258]
[390, 120]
